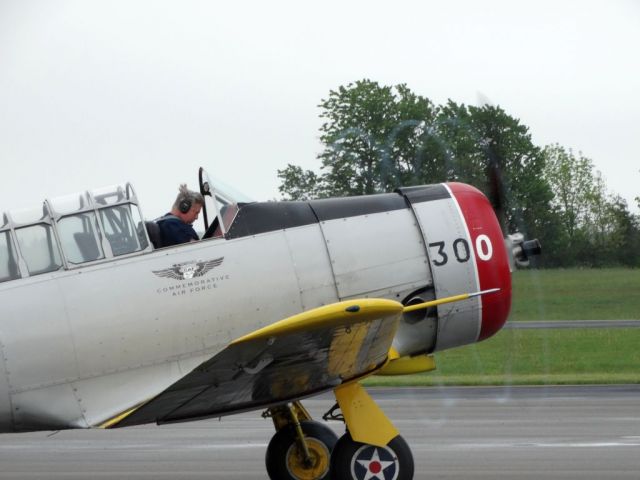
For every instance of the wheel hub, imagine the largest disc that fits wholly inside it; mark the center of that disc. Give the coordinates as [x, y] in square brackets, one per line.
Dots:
[318, 466]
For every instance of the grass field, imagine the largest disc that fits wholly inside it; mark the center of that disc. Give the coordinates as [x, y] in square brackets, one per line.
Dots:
[551, 356]
[535, 357]
[580, 294]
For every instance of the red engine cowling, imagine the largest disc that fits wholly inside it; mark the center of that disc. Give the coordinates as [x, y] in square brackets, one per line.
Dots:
[467, 253]
[491, 257]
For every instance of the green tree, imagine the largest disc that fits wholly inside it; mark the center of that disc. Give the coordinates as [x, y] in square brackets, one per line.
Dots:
[494, 151]
[374, 140]
[624, 238]
[377, 138]
[299, 184]
[572, 182]
[598, 227]
[371, 136]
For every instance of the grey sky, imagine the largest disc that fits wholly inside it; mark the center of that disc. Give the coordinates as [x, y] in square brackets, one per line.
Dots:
[95, 93]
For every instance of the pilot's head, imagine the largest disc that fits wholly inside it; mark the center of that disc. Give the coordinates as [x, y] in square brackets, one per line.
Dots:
[187, 205]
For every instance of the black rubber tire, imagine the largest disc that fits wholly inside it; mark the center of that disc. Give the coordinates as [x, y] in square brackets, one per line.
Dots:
[395, 462]
[283, 443]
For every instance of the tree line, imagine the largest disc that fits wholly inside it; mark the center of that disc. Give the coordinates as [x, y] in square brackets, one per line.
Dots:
[376, 138]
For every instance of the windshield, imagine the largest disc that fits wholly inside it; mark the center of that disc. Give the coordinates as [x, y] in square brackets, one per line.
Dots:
[224, 193]
[221, 202]
[227, 194]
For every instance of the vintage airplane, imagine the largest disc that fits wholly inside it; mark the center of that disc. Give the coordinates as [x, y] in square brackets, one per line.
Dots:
[279, 301]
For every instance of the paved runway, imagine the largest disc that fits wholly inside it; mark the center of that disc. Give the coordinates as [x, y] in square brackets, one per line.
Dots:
[455, 433]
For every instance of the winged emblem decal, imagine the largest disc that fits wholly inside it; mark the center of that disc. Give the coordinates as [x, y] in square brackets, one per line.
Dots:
[188, 270]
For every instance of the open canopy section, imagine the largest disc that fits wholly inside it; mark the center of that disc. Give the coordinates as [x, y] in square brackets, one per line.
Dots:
[222, 203]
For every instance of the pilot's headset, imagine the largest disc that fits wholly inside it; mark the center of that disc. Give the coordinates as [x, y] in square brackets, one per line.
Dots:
[185, 205]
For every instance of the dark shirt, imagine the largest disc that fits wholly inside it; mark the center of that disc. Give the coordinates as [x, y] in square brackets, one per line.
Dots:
[174, 231]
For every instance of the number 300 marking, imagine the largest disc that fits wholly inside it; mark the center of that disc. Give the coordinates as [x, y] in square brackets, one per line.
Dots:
[484, 250]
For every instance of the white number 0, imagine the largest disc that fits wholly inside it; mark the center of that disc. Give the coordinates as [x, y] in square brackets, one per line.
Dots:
[484, 249]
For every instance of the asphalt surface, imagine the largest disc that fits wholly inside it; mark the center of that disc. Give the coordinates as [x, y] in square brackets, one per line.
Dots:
[585, 432]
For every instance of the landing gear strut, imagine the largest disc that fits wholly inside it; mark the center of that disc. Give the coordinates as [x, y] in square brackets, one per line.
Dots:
[371, 448]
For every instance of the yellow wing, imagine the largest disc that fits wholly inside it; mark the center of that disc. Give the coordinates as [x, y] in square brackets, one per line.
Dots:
[305, 354]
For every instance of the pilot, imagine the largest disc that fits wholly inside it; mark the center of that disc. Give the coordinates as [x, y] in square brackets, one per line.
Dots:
[177, 225]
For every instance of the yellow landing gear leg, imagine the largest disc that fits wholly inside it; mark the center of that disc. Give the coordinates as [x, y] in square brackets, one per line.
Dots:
[372, 446]
[301, 448]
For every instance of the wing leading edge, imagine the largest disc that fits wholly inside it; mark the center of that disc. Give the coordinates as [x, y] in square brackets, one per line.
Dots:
[301, 355]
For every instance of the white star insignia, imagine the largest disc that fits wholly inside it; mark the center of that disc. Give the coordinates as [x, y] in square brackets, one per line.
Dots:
[375, 467]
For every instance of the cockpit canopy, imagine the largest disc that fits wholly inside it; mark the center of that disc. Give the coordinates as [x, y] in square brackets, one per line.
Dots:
[70, 231]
